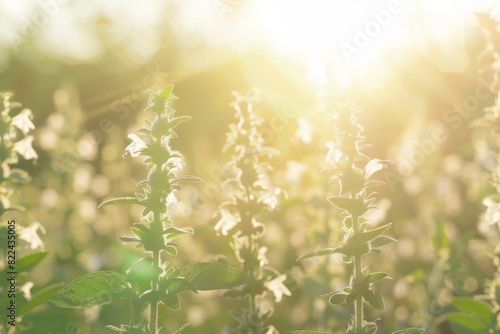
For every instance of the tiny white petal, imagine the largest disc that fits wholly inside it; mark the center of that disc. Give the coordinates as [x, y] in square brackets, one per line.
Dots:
[24, 147]
[22, 121]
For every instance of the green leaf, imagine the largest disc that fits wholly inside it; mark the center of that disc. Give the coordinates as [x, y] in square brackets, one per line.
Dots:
[185, 179]
[28, 262]
[173, 232]
[176, 284]
[92, 289]
[467, 320]
[320, 252]
[375, 277]
[337, 298]
[40, 297]
[356, 242]
[307, 332]
[409, 331]
[18, 176]
[375, 299]
[350, 298]
[174, 122]
[213, 276]
[165, 92]
[353, 206]
[182, 328]
[382, 240]
[479, 309]
[172, 302]
[170, 249]
[120, 200]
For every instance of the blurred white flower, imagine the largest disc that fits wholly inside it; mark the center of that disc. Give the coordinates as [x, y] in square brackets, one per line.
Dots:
[305, 131]
[333, 155]
[277, 287]
[22, 121]
[171, 198]
[136, 146]
[30, 235]
[226, 222]
[24, 147]
[492, 214]
[26, 290]
[262, 256]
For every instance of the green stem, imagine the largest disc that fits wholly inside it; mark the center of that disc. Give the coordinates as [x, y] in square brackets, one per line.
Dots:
[358, 304]
[153, 311]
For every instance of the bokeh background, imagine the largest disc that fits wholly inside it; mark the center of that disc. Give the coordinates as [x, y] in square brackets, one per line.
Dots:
[83, 68]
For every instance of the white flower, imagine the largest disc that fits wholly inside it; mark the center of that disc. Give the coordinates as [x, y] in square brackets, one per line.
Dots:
[305, 131]
[30, 235]
[136, 146]
[226, 222]
[262, 256]
[171, 198]
[26, 290]
[333, 155]
[277, 287]
[22, 121]
[492, 214]
[24, 147]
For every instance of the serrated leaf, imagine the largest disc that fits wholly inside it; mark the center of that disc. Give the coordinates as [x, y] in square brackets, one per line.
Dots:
[92, 289]
[320, 252]
[377, 276]
[120, 200]
[213, 276]
[375, 299]
[337, 298]
[39, 297]
[382, 240]
[409, 331]
[477, 308]
[29, 261]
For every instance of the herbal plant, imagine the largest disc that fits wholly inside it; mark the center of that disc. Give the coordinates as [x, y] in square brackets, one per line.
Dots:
[16, 142]
[352, 172]
[251, 192]
[151, 281]
[481, 314]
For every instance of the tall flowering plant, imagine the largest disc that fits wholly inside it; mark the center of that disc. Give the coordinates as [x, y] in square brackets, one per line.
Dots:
[250, 191]
[22, 245]
[151, 282]
[352, 171]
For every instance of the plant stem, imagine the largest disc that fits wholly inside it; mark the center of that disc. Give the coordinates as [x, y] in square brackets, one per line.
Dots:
[358, 307]
[153, 311]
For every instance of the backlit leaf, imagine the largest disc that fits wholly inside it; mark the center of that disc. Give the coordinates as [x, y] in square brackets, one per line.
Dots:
[92, 289]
